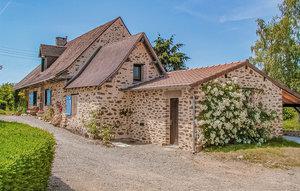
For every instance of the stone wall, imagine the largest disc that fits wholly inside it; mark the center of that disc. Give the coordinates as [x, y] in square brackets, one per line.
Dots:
[265, 92]
[150, 122]
[108, 97]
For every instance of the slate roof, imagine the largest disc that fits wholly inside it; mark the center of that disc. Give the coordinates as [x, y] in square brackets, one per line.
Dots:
[51, 50]
[74, 49]
[106, 62]
[187, 77]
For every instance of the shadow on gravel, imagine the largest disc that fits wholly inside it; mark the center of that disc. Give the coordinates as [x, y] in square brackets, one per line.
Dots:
[56, 184]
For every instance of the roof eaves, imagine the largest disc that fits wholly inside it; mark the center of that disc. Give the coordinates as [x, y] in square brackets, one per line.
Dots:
[158, 63]
[241, 64]
[278, 84]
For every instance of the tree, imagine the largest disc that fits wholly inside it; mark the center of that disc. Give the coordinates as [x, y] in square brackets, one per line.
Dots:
[169, 53]
[7, 99]
[277, 49]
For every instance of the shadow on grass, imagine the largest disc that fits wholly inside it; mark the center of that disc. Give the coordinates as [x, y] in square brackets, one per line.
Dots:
[56, 184]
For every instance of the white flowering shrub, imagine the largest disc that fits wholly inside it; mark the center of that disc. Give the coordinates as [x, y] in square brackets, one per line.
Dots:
[229, 116]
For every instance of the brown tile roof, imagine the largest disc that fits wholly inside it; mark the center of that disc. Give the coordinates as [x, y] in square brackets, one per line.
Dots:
[188, 77]
[51, 50]
[29, 78]
[105, 63]
[196, 76]
[73, 50]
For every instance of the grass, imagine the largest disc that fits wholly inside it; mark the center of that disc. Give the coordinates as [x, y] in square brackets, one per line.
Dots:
[8, 112]
[277, 153]
[275, 142]
[292, 124]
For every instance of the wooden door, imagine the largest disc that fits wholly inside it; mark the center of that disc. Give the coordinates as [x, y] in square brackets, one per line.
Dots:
[174, 121]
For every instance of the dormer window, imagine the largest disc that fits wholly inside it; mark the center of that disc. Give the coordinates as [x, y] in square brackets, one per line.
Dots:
[137, 72]
[43, 66]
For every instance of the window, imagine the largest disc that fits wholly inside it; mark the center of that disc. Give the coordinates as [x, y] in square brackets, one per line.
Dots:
[33, 98]
[43, 66]
[71, 105]
[48, 95]
[137, 72]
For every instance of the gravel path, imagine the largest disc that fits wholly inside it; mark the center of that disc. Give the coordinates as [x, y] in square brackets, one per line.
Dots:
[80, 164]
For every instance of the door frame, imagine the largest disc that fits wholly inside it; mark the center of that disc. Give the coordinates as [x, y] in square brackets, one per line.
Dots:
[174, 115]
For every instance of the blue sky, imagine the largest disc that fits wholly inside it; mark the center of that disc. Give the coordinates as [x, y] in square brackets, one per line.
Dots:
[213, 32]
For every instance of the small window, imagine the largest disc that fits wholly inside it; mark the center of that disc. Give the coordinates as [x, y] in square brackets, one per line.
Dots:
[226, 76]
[71, 105]
[43, 67]
[48, 95]
[33, 98]
[137, 72]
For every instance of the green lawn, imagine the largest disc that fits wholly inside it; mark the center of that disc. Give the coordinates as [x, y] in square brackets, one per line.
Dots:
[275, 142]
[292, 124]
[277, 153]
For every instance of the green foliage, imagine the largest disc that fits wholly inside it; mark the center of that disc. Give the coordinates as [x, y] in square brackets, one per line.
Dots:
[20, 101]
[106, 134]
[292, 123]
[26, 156]
[169, 53]
[274, 142]
[11, 100]
[229, 116]
[99, 128]
[93, 128]
[7, 99]
[278, 46]
[289, 113]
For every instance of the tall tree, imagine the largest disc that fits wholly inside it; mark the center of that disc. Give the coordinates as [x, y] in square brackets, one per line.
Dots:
[169, 53]
[277, 49]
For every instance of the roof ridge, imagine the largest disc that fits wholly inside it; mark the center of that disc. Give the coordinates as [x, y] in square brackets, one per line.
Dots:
[123, 39]
[211, 66]
[107, 23]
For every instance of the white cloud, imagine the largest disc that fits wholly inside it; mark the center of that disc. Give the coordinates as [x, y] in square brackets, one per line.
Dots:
[5, 7]
[224, 11]
[256, 9]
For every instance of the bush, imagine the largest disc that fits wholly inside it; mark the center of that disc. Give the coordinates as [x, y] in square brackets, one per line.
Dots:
[289, 113]
[98, 128]
[229, 116]
[26, 156]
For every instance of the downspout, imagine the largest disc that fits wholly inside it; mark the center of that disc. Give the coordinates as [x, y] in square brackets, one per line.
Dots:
[194, 123]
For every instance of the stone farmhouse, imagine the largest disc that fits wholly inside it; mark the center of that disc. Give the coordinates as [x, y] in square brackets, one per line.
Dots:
[111, 70]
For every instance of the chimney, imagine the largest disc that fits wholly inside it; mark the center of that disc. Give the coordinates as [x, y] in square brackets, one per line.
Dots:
[61, 41]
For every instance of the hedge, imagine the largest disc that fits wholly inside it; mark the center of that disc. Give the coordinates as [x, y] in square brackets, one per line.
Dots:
[26, 156]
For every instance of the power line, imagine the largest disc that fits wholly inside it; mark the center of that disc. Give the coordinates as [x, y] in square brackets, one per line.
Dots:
[17, 53]
[18, 56]
[19, 50]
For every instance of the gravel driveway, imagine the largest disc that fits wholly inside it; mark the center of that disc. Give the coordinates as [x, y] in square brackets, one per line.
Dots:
[80, 164]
